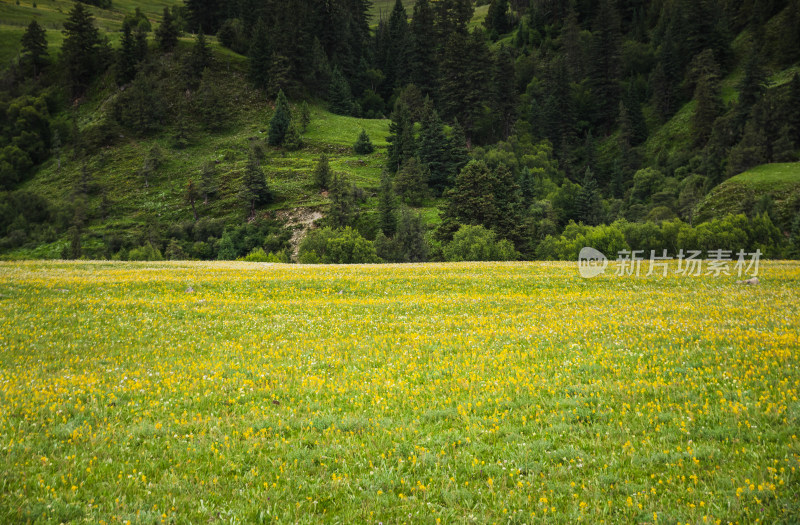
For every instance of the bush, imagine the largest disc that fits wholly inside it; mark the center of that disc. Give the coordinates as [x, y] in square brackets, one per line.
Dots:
[337, 246]
[363, 145]
[145, 253]
[476, 243]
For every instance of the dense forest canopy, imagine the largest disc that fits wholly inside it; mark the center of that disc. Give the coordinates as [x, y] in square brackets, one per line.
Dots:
[517, 125]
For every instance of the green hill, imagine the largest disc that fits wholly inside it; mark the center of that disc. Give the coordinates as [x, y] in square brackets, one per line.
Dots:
[740, 194]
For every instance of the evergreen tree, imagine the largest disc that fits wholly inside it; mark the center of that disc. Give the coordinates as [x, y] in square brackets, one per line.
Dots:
[606, 63]
[401, 137]
[198, 60]
[783, 149]
[342, 204]
[254, 191]
[205, 16]
[140, 44]
[126, 57]
[458, 153]
[433, 150]
[260, 56]
[281, 119]
[497, 21]
[210, 103]
[167, 32]
[463, 79]
[305, 116]
[319, 75]
[753, 84]
[363, 145]
[452, 16]
[504, 96]
[387, 218]
[791, 109]
[280, 75]
[339, 95]
[422, 60]
[411, 182]
[293, 141]
[322, 173]
[396, 68]
[34, 47]
[589, 203]
[83, 52]
[706, 96]
[409, 238]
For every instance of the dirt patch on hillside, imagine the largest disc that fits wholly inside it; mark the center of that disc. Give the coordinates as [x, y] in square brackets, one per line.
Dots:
[301, 221]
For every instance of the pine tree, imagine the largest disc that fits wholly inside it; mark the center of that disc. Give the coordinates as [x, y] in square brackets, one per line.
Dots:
[433, 150]
[293, 141]
[783, 149]
[280, 75]
[363, 145]
[422, 60]
[198, 60]
[205, 16]
[34, 47]
[401, 137]
[210, 103]
[83, 52]
[342, 205]
[254, 191]
[411, 182]
[396, 68]
[463, 78]
[281, 119]
[260, 56]
[589, 204]
[126, 57]
[452, 16]
[606, 63]
[167, 33]
[409, 237]
[504, 96]
[305, 116]
[791, 109]
[497, 20]
[339, 95]
[458, 154]
[387, 217]
[322, 173]
[706, 95]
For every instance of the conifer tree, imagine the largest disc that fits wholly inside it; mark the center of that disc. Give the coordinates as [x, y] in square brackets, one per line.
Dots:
[83, 52]
[339, 95]
[322, 173]
[411, 182]
[398, 47]
[342, 205]
[281, 119]
[254, 191]
[409, 237]
[706, 95]
[191, 196]
[589, 204]
[606, 62]
[497, 20]
[791, 109]
[167, 32]
[126, 57]
[363, 145]
[401, 137]
[34, 47]
[433, 150]
[305, 116]
[422, 58]
[260, 56]
[199, 59]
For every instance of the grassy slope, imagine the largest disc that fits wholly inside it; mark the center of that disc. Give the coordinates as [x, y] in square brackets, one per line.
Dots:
[739, 193]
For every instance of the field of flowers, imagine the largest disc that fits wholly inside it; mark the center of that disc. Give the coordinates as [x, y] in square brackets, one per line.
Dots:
[475, 392]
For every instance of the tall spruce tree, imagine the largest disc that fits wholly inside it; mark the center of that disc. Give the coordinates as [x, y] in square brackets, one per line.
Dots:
[167, 32]
[497, 18]
[339, 95]
[34, 48]
[706, 95]
[260, 56]
[387, 217]
[83, 52]
[607, 38]
[401, 137]
[126, 57]
[281, 119]
[254, 191]
[322, 173]
[422, 59]
[433, 150]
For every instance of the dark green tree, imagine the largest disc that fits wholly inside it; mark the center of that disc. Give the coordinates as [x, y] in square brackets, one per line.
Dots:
[83, 52]
[254, 191]
[190, 196]
[589, 203]
[791, 109]
[126, 57]
[339, 95]
[34, 48]
[706, 95]
[401, 137]
[260, 56]
[167, 32]
[363, 145]
[606, 47]
[205, 16]
[305, 116]
[208, 181]
[411, 182]
[342, 207]
[281, 119]
[422, 58]
[433, 150]
[197, 60]
[322, 173]
[497, 20]
[409, 237]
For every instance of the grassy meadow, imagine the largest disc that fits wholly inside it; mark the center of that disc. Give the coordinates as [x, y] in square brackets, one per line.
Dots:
[443, 393]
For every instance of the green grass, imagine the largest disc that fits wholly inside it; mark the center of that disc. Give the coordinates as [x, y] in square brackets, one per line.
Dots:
[740, 193]
[488, 392]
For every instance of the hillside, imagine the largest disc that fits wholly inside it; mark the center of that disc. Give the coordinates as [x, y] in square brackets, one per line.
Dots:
[565, 116]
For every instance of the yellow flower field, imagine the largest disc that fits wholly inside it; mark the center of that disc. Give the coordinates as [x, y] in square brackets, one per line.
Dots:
[452, 393]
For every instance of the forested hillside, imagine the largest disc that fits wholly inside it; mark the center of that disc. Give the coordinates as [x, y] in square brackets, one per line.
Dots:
[353, 131]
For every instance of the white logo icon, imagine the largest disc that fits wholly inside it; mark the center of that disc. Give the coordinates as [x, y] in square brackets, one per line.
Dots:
[591, 262]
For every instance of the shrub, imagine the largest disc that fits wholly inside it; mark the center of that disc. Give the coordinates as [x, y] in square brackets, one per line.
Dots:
[476, 243]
